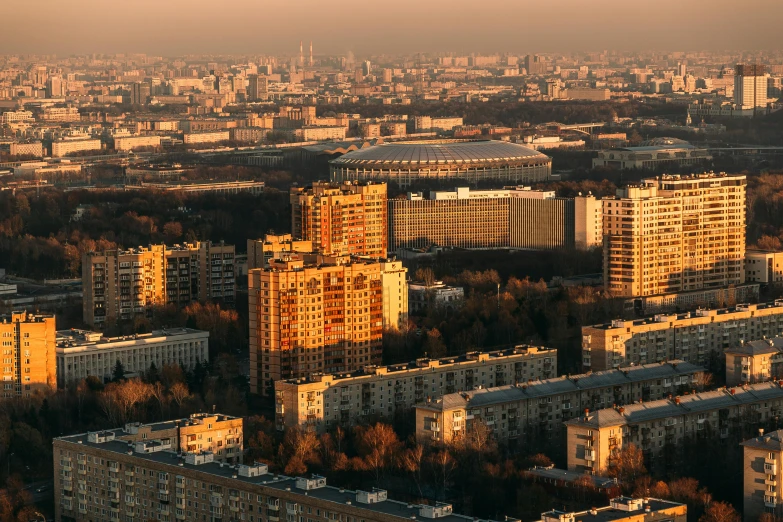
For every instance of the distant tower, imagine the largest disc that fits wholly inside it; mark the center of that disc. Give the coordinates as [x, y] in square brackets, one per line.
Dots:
[301, 54]
[311, 53]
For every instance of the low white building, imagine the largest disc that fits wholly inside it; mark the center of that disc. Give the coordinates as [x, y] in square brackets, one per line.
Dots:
[81, 353]
[422, 296]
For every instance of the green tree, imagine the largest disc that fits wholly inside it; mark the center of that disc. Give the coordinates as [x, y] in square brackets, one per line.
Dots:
[118, 373]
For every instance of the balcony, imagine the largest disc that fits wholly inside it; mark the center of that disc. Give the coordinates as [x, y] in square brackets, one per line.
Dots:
[590, 455]
[770, 466]
[771, 482]
[770, 501]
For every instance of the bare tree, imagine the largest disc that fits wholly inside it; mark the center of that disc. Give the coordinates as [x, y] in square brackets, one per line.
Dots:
[179, 393]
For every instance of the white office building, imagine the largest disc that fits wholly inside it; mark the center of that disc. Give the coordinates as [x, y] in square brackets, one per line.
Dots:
[81, 353]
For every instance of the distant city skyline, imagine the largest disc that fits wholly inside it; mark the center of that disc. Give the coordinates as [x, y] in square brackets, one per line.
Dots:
[177, 27]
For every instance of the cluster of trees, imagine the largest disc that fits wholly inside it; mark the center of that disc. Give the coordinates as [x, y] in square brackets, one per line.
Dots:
[765, 210]
[38, 238]
[520, 311]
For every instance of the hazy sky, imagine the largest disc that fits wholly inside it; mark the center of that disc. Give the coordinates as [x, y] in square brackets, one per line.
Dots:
[174, 27]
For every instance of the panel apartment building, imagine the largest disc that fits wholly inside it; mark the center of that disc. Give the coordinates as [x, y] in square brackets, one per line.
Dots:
[274, 246]
[690, 336]
[98, 477]
[319, 314]
[29, 364]
[508, 218]
[763, 459]
[346, 218]
[120, 284]
[675, 234]
[322, 401]
[81, 353]
[534, 412]
[654, 426]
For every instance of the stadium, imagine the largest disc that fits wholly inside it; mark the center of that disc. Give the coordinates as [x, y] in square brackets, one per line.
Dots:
[407, 162]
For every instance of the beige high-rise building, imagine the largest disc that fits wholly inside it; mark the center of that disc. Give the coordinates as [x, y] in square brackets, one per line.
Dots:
[588, 222]
[394, 280]
[346, 218]
[763, 460]
[675, 234]
[121, 284]
[273, 246]
[692, 337]
[28, 354]
[313, 314]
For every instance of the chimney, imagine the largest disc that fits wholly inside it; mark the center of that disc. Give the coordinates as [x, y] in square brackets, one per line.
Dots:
[731, 391]
[311, 53]
[761, 432]
[676, 400]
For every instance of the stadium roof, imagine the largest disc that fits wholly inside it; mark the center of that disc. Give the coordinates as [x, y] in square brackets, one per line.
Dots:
[440, 152]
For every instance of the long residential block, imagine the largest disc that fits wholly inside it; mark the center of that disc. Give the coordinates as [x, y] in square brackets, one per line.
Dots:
[323, 401]
[99, 477]
[659, 425]
[523, 413]
[689, 336]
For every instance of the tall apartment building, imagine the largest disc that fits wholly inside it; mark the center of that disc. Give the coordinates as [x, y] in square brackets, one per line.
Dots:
[754, 361]
[763, 460]
[394, 284]
[274, 246]
[322, 401]
[675, 234]
[656, 426]
[97, 477]
[764, 267]
[313, 314]
[257, 88]
[689, 336]
[508, 218]
[750, 86]
[81, 353]
[347, 218]
[527, 413]
[29, 363]
[119, 284]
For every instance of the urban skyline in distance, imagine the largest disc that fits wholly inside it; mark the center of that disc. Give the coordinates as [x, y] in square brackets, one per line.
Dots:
[179, 27]
[403, 261]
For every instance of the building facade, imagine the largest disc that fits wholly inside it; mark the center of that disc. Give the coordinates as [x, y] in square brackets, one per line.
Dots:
[347, 218]
[81, 353]
[533, 412]
[763, 267]
[98, 477]
[120, 284]
[689, 336]
[754, 361]
[656, 427]
[763, 458]
[29, 364]
[423, 296]
[750, 86]
[313, 314]
[65, 147]
[653, 154]
[675, 234]
[394, 281]
[485, 219]
[324, 401]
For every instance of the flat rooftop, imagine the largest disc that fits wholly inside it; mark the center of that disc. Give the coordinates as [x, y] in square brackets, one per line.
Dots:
[74, 338]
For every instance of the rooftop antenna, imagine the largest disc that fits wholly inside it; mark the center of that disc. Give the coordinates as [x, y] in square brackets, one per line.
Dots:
[311, 53]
